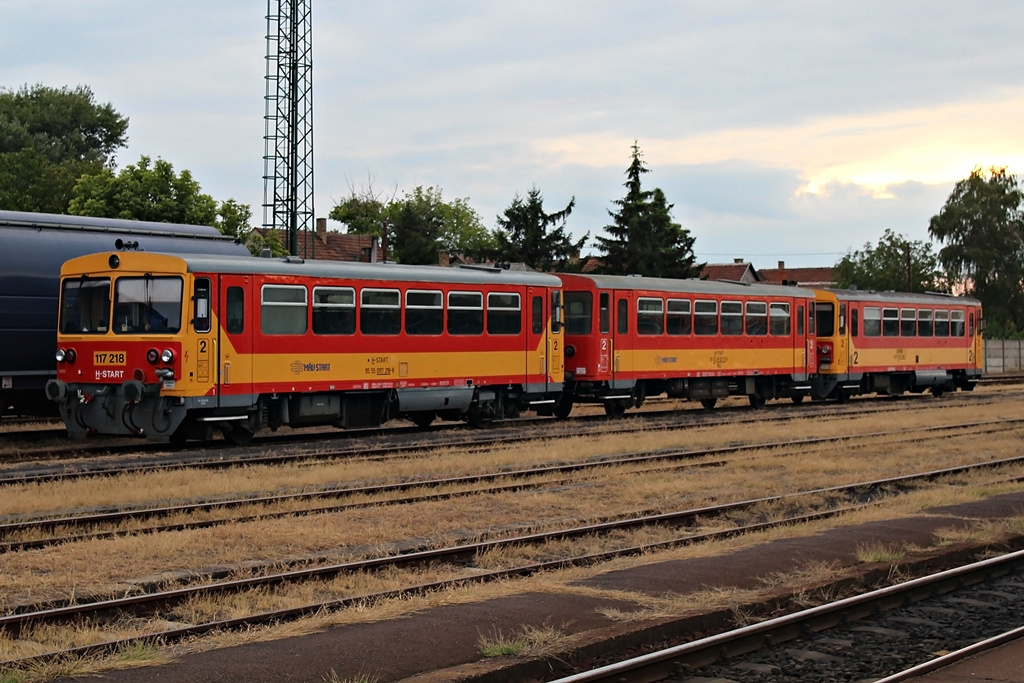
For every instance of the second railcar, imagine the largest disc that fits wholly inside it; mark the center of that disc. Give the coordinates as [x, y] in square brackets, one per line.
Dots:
[631, 337]
[32, 248]
[169, 347]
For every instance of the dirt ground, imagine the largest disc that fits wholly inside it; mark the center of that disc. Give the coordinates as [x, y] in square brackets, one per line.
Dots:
[442, 643]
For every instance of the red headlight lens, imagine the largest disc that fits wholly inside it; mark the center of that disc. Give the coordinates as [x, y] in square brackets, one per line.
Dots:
[152, 356]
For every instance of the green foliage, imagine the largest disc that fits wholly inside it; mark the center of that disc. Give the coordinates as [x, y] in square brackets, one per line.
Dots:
[49, 138]
[643, 238]
[418, 225]
[895, 264]
[982, 228]
[144, 192]
[525, 234]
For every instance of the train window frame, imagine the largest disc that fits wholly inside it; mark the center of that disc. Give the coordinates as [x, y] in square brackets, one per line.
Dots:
[731, 318]
[872, 321]
[825, 312]
[622, 316]
[854, 321]
[465, 318]
[908, 322]
[424, 312]
[941, 322]
[156, 309]
[537, 315]
[97, 301]
[282, 316]
[678, 318]
[202, 291]
[705, 322]
[650, 315]
[504, 318]
[234, 299]
[380, 311]
[332, 317]
[756, 321]
[956, 322]
[842, 319]
[556, 311]
[579, 311]
[779, 324]
[890, 322]
[925, 327]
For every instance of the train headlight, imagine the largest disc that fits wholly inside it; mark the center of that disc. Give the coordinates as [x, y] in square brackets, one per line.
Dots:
[60, 355]
[570, 351]
[167, 356]
[65, 355]
[152, 356]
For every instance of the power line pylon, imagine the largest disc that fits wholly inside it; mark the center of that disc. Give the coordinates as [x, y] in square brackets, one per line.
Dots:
[288, 141]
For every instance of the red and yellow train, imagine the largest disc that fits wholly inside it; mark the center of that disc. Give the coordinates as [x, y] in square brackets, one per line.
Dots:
[171, 347]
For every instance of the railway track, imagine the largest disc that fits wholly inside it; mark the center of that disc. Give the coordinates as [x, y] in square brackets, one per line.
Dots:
[51, 529]
[382, 443]
[150, 613]
[887, 635]
[25, 445]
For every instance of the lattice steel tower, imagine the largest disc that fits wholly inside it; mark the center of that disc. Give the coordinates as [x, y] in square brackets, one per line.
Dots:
[288, 150]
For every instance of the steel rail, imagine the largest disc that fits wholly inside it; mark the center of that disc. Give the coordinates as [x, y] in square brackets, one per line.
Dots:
[661, 455]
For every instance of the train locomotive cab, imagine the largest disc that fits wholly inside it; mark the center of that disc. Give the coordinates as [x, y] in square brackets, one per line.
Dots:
[629, 338]
[172, 348]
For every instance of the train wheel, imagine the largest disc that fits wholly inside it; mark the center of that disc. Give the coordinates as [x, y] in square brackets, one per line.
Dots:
[841, 395]
[614, 408]
[938, 391]
[422, 420]
[709, 403]
[756, 401]
[239, 435]
[562, 408]
[797, 398]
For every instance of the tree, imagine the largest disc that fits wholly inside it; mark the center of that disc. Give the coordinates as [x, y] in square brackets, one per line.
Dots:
[524, 234]
[363, 212]
[643, 238]
[144, 192]
[982, 228]
[49, 138]
[895, 264]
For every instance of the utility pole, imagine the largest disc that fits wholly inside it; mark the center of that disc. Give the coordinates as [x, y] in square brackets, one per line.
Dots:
[288, 140]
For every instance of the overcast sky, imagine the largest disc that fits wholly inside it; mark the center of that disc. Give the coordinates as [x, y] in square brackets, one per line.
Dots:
[782, 131]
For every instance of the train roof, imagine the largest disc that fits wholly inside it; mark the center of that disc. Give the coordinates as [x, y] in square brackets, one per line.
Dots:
[926, 298]
[295, 266]
[39, 221]
[694, 286]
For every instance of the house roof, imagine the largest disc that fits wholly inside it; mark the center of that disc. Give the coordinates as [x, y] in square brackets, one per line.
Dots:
[329, 246]
[805, 277]
[737, 272]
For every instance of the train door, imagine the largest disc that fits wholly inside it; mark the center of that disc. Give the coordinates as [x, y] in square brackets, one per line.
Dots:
[237, 324]
[543, 339]
[604, 328]
[622, 341]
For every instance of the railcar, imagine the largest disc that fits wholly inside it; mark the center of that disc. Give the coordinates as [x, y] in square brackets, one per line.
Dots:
[628, 338]
[32, 248]
[893, 342]
[171, 347]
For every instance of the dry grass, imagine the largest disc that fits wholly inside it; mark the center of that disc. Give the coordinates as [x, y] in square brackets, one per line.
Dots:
[119, 566]
[529, 641]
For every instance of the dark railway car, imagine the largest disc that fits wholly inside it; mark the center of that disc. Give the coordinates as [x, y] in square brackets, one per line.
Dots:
[632, 337]
[32, 248]
[894, 342]
[172, 346]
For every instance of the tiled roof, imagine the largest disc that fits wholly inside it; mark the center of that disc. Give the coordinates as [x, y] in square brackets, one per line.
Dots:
[805, 277]
[331, 246]
[737, 272]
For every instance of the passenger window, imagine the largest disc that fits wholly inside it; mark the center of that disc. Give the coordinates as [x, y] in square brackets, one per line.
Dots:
[504, 315]
[872, 321]
[705, 318]
[465, 313]
[778, 319]
[649, 316]
[957, 323]
[732, 318]
[678, 322]
[236, 310]
[623, 315]
[424, 312]
[908, 322]
[924, 323]
[334, 310]
[283, 309]
[941, 323]
[578, 312]
[890, 322]
[757, 318]
[380, 311]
